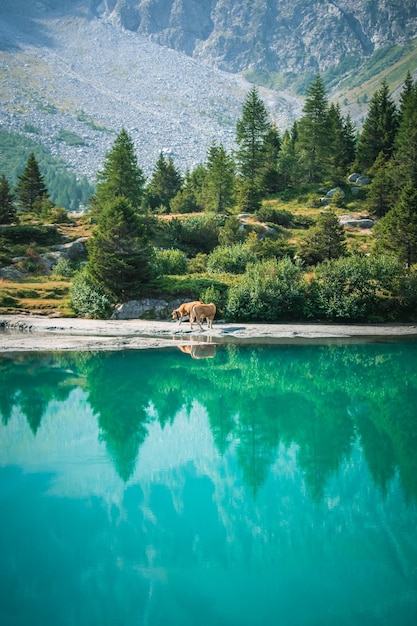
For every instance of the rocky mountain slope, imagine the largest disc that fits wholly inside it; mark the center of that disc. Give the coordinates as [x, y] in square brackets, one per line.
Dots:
[274, 35]
[72, 80]
[74, 72]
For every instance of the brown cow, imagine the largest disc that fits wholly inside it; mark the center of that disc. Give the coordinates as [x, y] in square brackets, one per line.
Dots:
[201, 311]
[184, 310]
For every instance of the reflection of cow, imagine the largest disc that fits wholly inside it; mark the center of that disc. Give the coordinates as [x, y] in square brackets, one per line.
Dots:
[201, 311]
[183, 310]
[199, 350]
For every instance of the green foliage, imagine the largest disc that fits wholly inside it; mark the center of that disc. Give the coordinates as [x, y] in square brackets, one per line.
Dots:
[232, 259]
[7, 208]
[211, 294]
[25, 235]
[63, 268]
[379, 130]
[196, 233]
[121, 175]
[70, 138]
[198, 264]
[327, 240]
[269, 291]
[64, 187]
[251, 132]
[313, 143]
[163, 185]
[358, 288]
[232, 232]
[281, 217]
[120, 257]
[89, 298]
[218, 189]
[397, 230]
[189, 286]
[170, 262]
[31, 186]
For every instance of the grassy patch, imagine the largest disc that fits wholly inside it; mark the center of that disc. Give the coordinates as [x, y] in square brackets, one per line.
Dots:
[39, 295]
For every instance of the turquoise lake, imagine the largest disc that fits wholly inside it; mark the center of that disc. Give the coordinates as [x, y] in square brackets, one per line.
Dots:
[265, 485]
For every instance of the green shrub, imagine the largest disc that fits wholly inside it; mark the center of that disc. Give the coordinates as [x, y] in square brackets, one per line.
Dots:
[211, 294]
[281, 217]
[170, 262]
[88, 298]
[230, 259]
[198, 264]
[358, 288]
[41, 235]
[63, 268]
[269, 291]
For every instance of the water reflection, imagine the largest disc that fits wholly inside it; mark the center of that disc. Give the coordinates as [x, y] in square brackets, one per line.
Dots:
[199, 349]
[265, 486]
[321, 398]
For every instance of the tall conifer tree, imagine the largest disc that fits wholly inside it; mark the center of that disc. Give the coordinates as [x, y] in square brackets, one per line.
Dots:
[251, 131]
[7, 208]
[164, 183]
[379, 130]
[219, 182]
[314, 133]
[120, 258]
[31, 186]
[121, 175]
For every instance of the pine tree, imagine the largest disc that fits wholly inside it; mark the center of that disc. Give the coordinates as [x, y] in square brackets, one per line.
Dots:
[314, 133]
[381, 191]
[219, 182]
[288, 166]
[31, 186]
[379, 130]
[164, 184]
[326, 241]
[405, 157]
[270, 179]
[120, 258]
[7, 207]
[251, 131]
[350, 134]
[121, 175]
[338, 143]
[397, 230]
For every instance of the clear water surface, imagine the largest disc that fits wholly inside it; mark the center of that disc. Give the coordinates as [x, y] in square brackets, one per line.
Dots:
[264, 485]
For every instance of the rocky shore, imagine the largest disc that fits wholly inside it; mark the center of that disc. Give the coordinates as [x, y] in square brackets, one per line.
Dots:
[25, 333]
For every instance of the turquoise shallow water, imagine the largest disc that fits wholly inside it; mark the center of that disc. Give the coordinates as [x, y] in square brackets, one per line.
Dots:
[262, 485]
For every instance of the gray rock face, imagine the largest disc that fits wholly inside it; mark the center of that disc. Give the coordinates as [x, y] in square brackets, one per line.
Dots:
[285, 35]
[146, 308]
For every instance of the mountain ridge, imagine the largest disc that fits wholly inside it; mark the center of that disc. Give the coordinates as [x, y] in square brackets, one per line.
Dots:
[74, 72]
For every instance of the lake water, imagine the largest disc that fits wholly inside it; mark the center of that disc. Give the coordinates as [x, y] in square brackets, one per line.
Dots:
[268, 485]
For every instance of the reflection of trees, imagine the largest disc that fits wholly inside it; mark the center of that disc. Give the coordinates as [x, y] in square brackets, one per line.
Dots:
[118, 392]
[31, 382]
[319, 397]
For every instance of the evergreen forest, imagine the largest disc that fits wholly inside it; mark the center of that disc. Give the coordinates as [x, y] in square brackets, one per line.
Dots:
[318, 222]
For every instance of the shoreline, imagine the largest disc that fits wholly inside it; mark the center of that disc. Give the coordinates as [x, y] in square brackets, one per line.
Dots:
[27, 333]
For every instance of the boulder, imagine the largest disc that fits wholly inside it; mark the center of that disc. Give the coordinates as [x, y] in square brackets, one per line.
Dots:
[357, 222]
[12, 272]
[72, 251]
[332, 192]
[146, 308]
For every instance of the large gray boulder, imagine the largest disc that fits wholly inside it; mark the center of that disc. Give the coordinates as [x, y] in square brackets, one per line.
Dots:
[73, 251]
[146, 308]
[356, 222]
